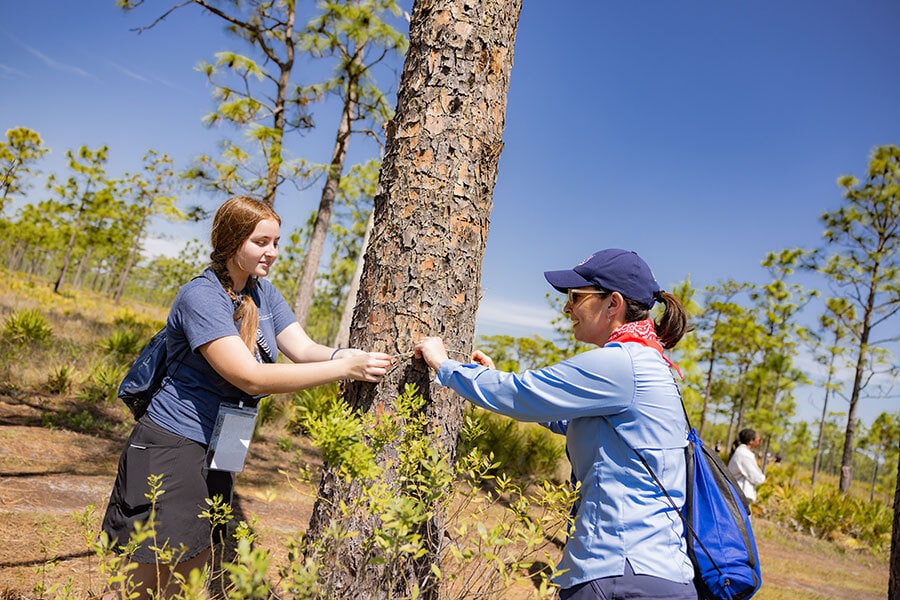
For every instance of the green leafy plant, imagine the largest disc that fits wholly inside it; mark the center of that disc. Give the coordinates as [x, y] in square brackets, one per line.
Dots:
[74, 421]
[494, 538]
[61, 380]
[851, 522]
[526, 451]
[308, 404]
[124, 344]
[27, 327]
[102, 384]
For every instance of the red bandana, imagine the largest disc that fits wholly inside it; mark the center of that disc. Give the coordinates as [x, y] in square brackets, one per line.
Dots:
[644, 333]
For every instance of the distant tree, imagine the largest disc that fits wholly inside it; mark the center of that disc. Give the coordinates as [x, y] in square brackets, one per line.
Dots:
[894, 577]
[422, 266]
[22, 148]
[103, 239]
[838, 312]
[517, 354]
[862, 262]
[86, 188]
[268, 27]
[357, 36]
[798, 445]
[882, 441]
[160, 278]
[39, 232]
[152, 193]
[711, 328]
[778, 304]
[335, 294]
[687, 355]
[742, 343]
[352, 231]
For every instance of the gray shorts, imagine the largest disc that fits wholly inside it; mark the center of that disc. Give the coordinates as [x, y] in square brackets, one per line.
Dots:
[186, 481]
[630, 586]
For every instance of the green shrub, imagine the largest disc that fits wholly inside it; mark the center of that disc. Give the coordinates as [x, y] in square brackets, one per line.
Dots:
[61, 380]
[80, 421]
[527, 451]
[825, 513]
[124, 345]
[27, 327]
[103, 383]
[497, 535]
[128, 319]
[309, 404]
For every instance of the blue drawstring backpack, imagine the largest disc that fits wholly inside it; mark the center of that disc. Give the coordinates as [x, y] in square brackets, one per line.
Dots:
[716, 518]
[719, 537]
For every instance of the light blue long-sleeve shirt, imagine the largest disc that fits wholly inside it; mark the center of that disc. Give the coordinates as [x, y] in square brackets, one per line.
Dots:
[621, 514]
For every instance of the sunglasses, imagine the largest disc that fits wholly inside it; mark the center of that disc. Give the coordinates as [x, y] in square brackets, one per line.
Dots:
[574, 299]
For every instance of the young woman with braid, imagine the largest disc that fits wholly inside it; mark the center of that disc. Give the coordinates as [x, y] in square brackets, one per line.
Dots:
[225, 329]
[626, 540]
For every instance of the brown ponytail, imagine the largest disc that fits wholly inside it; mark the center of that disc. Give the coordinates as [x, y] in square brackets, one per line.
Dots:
[234, 222]
[671, 326]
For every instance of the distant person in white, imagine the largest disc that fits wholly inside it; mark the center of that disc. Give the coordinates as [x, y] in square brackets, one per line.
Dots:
[743, 464]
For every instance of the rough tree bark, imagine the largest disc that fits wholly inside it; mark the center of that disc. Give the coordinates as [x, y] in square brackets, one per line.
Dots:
[431, 215]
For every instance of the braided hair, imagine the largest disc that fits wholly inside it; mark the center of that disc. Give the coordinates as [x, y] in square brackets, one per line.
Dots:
[233, 223]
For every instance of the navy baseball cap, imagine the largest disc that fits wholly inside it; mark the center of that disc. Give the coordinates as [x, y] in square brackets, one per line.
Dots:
[614, 270]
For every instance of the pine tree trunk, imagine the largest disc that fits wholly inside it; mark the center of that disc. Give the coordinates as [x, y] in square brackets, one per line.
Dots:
[423, 264]
[862, 356]
[66, 259]
[307, 287]
[894, 581]
[132, 257]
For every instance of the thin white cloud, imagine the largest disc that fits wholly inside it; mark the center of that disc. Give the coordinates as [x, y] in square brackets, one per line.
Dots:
[128, 72]
[50, 62]
[173, 86]
[8, 72]
[516, 319]
[56, 65]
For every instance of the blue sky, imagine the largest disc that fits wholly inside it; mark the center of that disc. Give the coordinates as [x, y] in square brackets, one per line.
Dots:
[702, 134]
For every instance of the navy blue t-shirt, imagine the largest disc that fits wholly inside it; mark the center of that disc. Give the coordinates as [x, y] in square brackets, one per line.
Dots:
[188, 402]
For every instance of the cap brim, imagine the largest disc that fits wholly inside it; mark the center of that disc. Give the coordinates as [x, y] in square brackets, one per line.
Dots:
[566, 280]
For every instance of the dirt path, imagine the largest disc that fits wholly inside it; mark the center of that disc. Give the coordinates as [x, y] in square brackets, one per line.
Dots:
[48, 475]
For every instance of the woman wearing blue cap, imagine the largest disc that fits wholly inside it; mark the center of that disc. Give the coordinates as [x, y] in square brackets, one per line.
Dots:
[617, 399]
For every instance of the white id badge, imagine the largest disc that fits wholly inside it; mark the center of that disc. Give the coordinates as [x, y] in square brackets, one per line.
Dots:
[231, 438]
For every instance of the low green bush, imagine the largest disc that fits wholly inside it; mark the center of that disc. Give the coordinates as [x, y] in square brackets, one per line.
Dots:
[123, 345]
[853, 522]
[60, 380]
[27, 327]
[102, 384]
[526, 451]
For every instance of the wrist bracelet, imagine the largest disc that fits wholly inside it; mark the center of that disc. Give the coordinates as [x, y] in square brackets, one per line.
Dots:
[336, 350]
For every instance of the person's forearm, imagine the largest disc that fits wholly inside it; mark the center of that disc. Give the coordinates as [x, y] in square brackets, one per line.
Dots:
[282, 378]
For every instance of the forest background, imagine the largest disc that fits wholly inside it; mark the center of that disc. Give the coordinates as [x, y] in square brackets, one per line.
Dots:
[763, 121]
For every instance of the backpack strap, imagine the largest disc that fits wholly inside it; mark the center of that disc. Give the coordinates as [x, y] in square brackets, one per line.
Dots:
[687, 525]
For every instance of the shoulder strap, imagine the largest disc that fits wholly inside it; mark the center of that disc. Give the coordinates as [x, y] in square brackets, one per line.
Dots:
[178, 359]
